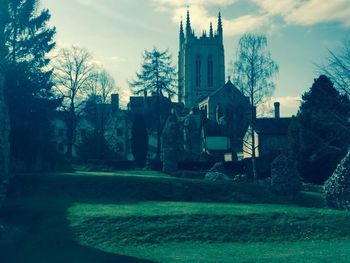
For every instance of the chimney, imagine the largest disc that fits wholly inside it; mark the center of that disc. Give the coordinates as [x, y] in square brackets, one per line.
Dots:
[277, 110]
[115, 102]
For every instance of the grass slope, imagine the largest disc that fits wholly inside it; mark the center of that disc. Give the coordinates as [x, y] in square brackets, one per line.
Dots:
[139, 216]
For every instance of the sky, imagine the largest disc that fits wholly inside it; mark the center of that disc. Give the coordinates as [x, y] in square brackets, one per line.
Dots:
[117, 32]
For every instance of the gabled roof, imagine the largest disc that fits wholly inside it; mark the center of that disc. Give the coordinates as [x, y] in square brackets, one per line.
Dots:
[228, 86]
[272, 126]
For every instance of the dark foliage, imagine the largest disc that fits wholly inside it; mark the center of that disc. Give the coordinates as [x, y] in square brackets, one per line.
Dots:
[27, 83]
[89, 149]
[157, 74]
[285, 178]
[139, 140]
[95, 112]
[319, 136]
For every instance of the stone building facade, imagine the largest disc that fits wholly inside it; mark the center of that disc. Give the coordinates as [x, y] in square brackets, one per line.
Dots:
[117, 129]
[271, 135]
[227, 112]
[201, 63]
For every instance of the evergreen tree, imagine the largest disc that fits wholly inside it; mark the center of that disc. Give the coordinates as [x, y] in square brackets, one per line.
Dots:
[157, 77]
[320, 134]
[28, 86]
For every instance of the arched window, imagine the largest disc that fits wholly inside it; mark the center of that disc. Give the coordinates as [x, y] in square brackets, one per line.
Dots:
[210, 71]
[219, 112]
[198, 71]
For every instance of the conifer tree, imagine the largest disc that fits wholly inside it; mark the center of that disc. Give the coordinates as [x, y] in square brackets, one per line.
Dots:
[319, 136]
[158, 77]
[28, 86]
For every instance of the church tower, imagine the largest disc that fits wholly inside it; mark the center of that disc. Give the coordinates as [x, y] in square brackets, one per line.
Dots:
[201, 63]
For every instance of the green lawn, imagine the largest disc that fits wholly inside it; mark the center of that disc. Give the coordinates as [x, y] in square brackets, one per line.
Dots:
[143, 216]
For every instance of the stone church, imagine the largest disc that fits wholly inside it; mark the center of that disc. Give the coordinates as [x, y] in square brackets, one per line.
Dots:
[201, 63]
[223, 108]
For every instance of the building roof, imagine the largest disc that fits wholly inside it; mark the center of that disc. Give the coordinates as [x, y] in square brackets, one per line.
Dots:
[228, 87]
[272, 126]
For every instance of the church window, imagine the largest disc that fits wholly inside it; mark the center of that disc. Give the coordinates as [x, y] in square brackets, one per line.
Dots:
[198, 71]
[219, 112]
[210, 71]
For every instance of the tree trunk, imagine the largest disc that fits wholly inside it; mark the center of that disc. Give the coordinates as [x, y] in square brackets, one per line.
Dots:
[255, 173]
[70, 132]
[4, 143]
[159, 130]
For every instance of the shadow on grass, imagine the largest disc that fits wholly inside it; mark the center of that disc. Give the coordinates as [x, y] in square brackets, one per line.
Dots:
[43, 233]
[116, 189]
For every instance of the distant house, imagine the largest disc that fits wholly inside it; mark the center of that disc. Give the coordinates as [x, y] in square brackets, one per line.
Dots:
[117, 129]
[271, 135]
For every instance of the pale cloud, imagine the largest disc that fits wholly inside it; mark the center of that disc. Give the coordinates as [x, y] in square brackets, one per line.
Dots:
[319, 11]
[300, 12]
[296, 12]
[243, 24]
[181, 3]
[273, 7]
[117, 59]
[200, 17]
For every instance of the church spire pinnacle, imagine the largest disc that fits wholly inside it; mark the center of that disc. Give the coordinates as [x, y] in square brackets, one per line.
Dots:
[182, 35]
[219, 23]
[220, 31]
[188, 23]
[211, 30]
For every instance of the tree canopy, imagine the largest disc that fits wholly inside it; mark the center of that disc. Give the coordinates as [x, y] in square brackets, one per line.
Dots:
[28, 81]
[320, 134]
[75, 75]
[157, 75]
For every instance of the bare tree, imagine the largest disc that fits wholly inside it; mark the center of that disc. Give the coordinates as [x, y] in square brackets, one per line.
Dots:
[74, 73]
[253, 73]
[103, 85]
[337, 67]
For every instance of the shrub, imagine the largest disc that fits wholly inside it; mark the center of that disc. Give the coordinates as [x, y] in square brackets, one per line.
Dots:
[337, 187]
[285, 178]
